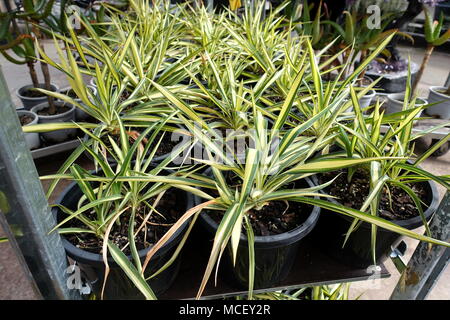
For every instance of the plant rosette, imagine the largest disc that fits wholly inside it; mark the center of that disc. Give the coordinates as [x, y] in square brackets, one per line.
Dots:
[80, 115]
[279, 227]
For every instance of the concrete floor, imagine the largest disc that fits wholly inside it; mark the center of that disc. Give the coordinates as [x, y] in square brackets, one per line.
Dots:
[13, 284]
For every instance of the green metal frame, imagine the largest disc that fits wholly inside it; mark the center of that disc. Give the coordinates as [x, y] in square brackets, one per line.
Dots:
[24, 212]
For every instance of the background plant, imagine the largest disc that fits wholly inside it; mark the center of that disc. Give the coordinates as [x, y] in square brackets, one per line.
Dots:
[434, 38]
[23, 43]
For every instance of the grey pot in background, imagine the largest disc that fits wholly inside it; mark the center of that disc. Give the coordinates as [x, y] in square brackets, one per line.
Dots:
[68, 116]
[365, 101]
[32, 138]
[393, 82]
[29, 102]
[394, 103]
[442, 110]
[80, 115]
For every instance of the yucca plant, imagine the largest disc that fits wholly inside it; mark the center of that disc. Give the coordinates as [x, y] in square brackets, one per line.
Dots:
[117, 213]
[222, 100]
[123, 87]
[317, 94]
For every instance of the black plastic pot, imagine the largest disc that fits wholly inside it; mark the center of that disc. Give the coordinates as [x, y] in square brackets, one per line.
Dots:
[118, 285]
[274, 255]
[330, 232]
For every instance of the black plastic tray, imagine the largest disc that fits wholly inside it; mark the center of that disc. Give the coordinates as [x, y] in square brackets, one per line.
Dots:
[311, 268]
[54, 149]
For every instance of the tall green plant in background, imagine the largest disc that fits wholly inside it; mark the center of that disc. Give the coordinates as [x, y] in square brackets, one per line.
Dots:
[434, 38]
[23, 43]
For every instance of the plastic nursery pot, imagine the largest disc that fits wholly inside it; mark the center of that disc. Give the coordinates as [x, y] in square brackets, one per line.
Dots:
[80, 115]
[442, 109]
[274, 255]
[32, 138]
[365, 101]
[118, 285]
[30, 102]
[66, 116]
[330, 231]
[394, 103]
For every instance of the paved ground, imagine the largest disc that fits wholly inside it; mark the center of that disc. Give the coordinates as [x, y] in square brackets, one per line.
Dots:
[14, 286]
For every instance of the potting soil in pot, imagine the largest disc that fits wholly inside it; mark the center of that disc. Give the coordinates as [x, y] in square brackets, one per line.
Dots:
[395, 205]
[170, 208]
[24, 120]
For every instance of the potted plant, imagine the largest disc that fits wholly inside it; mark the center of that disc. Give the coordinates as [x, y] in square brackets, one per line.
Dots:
[110, 219]
[123, 87]
[433, 37]
[265, 195]
[396, 188]
[22, 43]
[28, 118]
[437, 94]
[239, 207]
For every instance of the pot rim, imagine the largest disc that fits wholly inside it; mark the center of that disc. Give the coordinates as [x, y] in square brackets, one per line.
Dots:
[370, 93]
[280, 239]
[393, 98]
[434, 88]
[86, 256]
[31, 86]
[56, 116]
[35, 120]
